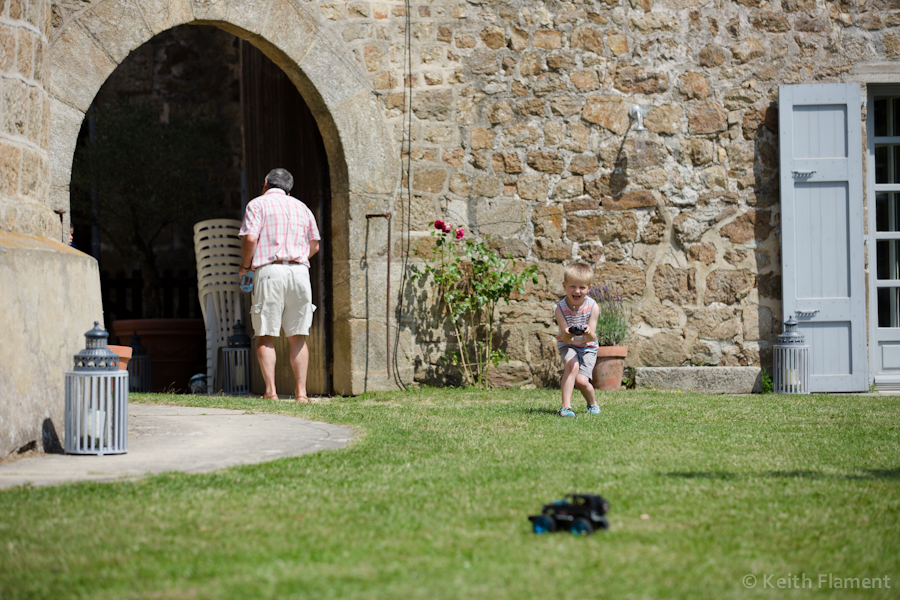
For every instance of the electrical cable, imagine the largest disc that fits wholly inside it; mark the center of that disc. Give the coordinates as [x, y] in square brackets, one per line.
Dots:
[407, 106]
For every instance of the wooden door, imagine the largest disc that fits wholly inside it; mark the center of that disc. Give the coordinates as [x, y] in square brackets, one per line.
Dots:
[279, 131]
[823, 259]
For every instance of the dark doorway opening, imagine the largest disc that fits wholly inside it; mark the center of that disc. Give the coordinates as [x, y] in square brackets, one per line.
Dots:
[201, 70]
[280, 131]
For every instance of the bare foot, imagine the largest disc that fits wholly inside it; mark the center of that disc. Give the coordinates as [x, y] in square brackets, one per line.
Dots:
[275, 397]
[303, 399]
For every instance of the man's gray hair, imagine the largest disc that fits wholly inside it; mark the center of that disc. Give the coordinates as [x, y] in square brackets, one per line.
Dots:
[281, 179]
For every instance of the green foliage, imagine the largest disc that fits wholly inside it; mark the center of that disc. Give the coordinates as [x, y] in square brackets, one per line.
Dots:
[613, 322]
[471, 280]
[147, 176]
[766, 382]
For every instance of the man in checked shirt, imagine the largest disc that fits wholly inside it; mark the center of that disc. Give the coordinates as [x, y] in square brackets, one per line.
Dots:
[278, 237]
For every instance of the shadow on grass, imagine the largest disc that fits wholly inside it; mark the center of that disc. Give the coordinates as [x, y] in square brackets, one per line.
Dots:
[539, 411]
[865, 474]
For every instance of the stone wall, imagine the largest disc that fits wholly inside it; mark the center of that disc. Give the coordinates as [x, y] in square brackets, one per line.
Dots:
[520, 130]
[50, 293]
[25, 121]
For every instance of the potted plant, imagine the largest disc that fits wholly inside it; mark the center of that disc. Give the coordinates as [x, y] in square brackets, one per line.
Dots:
[612, 328]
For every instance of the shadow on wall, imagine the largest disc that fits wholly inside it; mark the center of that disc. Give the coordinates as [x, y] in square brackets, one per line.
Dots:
[761, 126]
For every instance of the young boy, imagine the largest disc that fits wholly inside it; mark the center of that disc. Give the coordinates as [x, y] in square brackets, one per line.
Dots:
[578, 351]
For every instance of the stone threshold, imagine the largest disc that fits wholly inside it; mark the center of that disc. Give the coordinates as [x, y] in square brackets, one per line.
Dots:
[703, 380]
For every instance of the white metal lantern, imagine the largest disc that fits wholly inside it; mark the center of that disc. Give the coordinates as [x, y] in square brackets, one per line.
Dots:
[96, 400]
[237, 362]
[791, 361]
[139, 374]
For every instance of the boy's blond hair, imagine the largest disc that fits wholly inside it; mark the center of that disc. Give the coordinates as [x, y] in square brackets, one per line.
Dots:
[578, 273]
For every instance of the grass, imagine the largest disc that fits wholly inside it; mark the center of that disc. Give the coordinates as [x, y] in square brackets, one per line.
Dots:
[431, 502]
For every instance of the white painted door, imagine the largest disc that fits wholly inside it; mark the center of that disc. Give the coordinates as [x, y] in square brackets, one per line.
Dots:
[883, 155]
[823, 257]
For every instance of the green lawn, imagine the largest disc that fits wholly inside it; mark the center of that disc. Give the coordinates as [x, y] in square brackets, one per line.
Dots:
[431, 502]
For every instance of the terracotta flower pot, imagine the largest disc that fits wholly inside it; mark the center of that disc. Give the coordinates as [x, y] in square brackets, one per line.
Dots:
[124, 353]
[609, 367]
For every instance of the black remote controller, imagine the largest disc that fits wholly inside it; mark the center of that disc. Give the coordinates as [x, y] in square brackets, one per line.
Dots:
[576, 330]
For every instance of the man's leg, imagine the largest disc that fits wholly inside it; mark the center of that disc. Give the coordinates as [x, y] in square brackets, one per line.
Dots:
[265, 351]
[300, 364]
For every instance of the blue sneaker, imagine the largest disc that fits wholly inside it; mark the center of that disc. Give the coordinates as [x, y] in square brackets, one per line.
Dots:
[566, 412]
[594, 409]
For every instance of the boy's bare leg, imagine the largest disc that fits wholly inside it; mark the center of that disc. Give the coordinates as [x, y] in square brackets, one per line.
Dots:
[567, 383]
[587, 390]
[265, 351]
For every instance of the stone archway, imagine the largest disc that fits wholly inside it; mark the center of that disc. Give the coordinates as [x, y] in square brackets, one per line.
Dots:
[363, 159]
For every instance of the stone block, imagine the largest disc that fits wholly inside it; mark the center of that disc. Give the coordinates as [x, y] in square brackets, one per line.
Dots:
[748, 49]
[587, 38]
[371, 156]
[548, 221]
[565, 106]
[8, 37]
[493, 37]
[550, 249]
[629, 279]
[65, 123]
[585, 80]
[706, 118]
[728, 286]
[25, 53]
[583, 164]
[694, 86]
[701, 380]
[78, 67]
[429, 179]
[161, 15]
[609, 113]
[210, 10]
[752, 225]
[15, 103]
[629, 200]
[665, 119]
[500, 217]
[545, 161]
[117, 26]
[488, 186]
[323, 63]
[676, 285]
[547, 39]
[10, 168]
[620, 226]
[432, 104]
[712, 55]
[655, 22]
[635, 80]
[50, 321]
[569, 187]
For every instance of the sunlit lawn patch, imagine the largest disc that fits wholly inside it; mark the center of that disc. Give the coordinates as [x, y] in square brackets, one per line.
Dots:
[431, 501]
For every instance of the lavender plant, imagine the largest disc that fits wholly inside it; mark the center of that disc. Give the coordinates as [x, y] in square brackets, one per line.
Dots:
[612, 325]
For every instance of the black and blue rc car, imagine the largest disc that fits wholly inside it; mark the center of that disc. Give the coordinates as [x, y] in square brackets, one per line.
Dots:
[581, 514]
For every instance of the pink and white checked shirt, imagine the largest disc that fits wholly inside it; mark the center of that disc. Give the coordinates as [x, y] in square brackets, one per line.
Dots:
[284, 226]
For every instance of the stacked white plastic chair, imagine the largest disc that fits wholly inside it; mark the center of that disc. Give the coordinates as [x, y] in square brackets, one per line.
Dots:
[218, 250]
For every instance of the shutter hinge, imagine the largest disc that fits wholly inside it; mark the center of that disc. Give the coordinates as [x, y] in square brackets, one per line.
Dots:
[865, 240]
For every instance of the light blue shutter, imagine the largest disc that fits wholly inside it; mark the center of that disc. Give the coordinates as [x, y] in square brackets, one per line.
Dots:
[823, 277]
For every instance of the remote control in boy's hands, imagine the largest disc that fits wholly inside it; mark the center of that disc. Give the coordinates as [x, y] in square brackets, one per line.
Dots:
[577, 330]
[247, 282]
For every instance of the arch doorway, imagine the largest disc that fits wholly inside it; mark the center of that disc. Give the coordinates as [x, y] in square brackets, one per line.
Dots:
[194, 119]
[363, 158]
